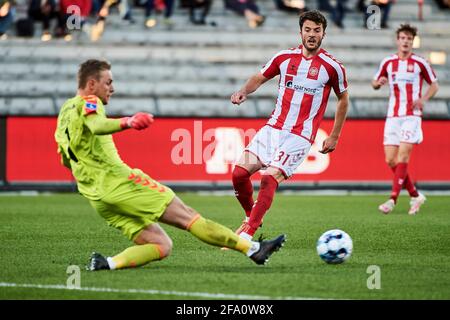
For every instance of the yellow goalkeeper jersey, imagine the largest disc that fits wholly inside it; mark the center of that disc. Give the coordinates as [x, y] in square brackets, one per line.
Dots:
[86, 146]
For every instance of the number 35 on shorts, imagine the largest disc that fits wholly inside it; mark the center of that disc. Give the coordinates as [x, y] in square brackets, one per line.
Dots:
[407, 135]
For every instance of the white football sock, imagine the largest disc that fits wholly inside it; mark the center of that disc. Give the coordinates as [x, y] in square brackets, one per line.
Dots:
[111, 263]
[254, 248]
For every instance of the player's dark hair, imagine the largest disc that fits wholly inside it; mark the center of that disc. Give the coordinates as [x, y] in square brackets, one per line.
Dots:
[314, 16]
[91, 69]
[407, 28]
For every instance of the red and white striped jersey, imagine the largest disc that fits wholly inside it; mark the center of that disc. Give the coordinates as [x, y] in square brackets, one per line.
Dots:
[304, 89]
[405, 82]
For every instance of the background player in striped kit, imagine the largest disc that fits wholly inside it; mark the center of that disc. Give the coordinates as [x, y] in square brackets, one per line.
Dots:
[405, 72]
[307, 75]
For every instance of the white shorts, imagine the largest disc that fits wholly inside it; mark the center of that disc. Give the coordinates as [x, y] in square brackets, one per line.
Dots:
[279, 148]
[403, 129]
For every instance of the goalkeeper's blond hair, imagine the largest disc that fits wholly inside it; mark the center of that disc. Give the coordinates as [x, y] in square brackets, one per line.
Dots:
[91, 69]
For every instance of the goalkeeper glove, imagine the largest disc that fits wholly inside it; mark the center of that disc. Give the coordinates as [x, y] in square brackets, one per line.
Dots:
[139, 121]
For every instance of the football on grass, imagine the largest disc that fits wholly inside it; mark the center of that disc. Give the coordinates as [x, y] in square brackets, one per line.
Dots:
[334, 246]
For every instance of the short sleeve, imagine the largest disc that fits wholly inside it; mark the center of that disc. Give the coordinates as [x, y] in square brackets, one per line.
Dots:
[427, 72]
[338, 77]
[339, 82]
[272, 68]
[382, 70]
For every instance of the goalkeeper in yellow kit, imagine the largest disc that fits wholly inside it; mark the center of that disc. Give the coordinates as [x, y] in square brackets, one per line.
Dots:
[128, 199]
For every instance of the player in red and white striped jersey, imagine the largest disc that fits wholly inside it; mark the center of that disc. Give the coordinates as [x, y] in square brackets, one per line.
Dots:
[405, 72]
[307, 74]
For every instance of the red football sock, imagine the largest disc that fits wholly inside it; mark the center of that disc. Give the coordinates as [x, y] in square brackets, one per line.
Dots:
[408, 184]
[268, 187]
[399, 178]
[410, 187]
[243, 189]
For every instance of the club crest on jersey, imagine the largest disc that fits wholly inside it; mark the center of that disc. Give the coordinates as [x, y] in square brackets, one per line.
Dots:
[410, 68]
[313, 71]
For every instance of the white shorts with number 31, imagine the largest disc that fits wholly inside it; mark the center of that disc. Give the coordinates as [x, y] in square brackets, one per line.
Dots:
[403, 129]
[279, 148]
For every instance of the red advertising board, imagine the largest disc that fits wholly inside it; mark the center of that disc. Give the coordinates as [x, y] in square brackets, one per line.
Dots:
[181, 150]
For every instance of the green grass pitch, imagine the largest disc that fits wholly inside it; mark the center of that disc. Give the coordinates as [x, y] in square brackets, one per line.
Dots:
[40, 236]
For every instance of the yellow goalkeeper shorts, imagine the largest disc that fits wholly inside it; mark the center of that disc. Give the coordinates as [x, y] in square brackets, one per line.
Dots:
[136, 203]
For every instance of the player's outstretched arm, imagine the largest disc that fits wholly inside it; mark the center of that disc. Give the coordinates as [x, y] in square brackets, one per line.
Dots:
[100, 125]
[329, 144]
[250, 86]
[139, 121]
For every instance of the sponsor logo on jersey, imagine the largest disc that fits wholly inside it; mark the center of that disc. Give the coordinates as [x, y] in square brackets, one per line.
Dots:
[407, 77]
[289, 83]
[301, 88]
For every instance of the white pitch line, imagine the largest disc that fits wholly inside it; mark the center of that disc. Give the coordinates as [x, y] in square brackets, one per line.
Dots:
[156, 292]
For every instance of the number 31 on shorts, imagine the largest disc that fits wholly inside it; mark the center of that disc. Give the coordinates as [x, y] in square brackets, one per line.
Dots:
[283, 157]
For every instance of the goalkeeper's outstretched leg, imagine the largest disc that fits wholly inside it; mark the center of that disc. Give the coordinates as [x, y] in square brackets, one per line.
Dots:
[153, 243]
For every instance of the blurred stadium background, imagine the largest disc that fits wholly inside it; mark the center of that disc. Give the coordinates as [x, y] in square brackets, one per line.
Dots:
[184, 74]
